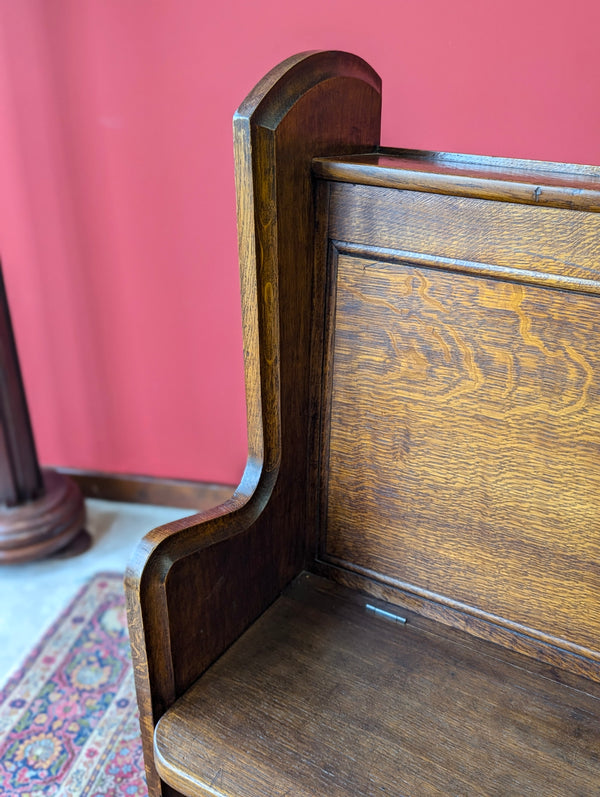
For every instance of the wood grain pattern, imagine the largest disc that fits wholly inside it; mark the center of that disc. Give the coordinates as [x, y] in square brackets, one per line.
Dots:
[508, 180]
[138, 489]
[196, 584]
[440, 609]
[322, 698]
[423, 394]
[459, 405]
[514, 236]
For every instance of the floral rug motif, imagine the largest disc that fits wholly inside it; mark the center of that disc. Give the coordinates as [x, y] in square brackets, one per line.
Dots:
[68, 716]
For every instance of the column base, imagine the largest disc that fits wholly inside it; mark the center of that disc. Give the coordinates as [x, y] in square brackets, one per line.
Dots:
[39, 528]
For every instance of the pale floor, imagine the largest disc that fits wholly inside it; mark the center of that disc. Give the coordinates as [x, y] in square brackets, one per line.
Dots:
[32, 595]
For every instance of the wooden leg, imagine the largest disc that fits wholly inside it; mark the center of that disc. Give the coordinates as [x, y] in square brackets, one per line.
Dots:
[40, 512]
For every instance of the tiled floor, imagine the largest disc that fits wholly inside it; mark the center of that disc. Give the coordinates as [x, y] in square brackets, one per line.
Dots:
[32, 595]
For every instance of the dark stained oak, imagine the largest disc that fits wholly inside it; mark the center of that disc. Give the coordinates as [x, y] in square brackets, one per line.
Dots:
[325, 697]
[20, 475]
[423, 394]
[556, 246]
[133, 488]
[41, 512]
[194, 585]
[509, 180]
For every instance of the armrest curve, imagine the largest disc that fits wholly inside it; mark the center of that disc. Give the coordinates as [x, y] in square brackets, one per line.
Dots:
[178, 538]
[151, 615]
[164, 546]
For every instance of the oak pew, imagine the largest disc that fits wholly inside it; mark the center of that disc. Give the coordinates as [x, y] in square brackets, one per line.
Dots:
[403, 595]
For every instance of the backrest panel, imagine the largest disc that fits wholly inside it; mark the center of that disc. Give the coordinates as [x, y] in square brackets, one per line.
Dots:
[464, 406]
[545, 240]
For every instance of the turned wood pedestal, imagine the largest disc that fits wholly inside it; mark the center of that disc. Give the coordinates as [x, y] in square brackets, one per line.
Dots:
[40, 511]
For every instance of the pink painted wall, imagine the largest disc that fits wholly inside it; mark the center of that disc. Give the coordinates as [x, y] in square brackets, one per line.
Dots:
[117, 220]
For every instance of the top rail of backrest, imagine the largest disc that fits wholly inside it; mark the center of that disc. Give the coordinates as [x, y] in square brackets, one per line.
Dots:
[460, 417]
[572, 186]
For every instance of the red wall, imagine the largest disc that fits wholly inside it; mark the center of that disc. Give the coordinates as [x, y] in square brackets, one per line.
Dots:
[117, 220]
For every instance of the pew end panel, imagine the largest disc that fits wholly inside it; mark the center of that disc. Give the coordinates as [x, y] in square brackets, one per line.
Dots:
[193, 586]
[403, 596]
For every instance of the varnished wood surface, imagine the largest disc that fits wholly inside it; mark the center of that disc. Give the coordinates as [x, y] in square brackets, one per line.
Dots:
[195, 585]
[531, 243]
[21, 479]
[529, 182]
[461, 412]
[137, 489]
[37, 528]
[323, 698]
[464, 434]
[422, 397]
[439, 608]
[40, 512]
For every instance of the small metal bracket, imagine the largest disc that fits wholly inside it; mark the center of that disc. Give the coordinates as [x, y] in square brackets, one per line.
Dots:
[395, 618]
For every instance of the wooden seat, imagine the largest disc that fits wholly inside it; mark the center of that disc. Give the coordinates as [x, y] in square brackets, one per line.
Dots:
[402, 597]
[326, 695]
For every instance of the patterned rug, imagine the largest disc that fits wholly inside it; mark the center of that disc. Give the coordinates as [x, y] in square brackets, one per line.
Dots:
[68, 716]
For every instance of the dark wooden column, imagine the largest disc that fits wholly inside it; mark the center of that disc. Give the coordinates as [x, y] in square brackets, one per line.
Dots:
[40, 511]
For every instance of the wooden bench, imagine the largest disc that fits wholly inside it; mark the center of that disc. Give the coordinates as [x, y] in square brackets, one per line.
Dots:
[403, 596]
